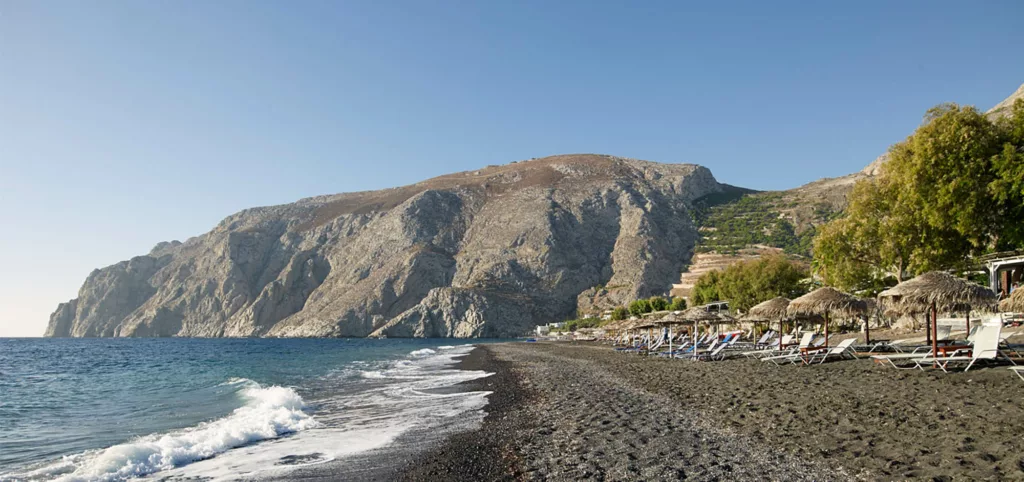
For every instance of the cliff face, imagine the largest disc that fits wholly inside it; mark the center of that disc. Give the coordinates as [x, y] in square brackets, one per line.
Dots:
[485, 253]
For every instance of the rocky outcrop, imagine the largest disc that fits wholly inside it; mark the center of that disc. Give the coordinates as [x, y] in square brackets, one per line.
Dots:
[484, 253]
[1003, 108]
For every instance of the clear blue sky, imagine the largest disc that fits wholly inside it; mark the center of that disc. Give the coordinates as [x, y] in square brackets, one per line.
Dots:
[126, 123]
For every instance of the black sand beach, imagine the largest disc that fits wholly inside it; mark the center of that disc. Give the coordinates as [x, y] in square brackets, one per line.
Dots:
[581, 411]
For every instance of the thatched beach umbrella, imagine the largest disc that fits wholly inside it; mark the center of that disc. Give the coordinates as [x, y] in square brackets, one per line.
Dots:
[1014, 303]
[771, 310]
[826, 302]
[649, 326]
[937, 291]
[669, 320]
[696, 315]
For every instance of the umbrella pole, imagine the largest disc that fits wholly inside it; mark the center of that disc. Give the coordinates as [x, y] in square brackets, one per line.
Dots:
[867, 330]
[968, 320]
[927, 329]
[695, 338]
[670, 340]
[826, 330]
[935, 337]
[781, 330]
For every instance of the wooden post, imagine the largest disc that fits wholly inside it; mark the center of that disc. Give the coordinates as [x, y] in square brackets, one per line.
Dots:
[694, 338]
[927, 329]
[935, 338]
[826, 329]
[867, 330]
[670, 354]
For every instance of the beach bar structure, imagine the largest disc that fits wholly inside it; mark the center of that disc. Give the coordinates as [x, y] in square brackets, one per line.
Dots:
[1004, 269]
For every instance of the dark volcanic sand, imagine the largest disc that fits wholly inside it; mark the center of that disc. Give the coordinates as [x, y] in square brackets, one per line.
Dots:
[571, 412]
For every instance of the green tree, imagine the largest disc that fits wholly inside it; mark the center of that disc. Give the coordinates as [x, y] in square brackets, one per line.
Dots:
[1007, 188]
[678, 304]
[705, 290]
[951, 190]
[944, 170]
[658, 303]
[620, 313]
[746, 283]
[639, 307]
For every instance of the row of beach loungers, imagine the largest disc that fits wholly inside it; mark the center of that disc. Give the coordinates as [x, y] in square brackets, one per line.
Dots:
[984, 344]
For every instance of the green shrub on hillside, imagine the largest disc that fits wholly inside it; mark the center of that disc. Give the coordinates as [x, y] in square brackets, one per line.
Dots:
[732, 222]
[747, 283]
[639, 307]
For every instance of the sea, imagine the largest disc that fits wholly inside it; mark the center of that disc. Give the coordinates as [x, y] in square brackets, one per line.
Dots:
[221, 409]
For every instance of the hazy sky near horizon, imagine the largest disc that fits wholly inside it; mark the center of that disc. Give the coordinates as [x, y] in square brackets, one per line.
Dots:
[123, 124]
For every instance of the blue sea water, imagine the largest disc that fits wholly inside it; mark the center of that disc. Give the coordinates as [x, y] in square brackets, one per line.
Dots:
[115, 409]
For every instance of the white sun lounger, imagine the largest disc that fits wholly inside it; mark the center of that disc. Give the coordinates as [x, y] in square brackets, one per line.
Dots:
[985, 347]
[715, 354]
[772, 349]
[779, 359]
[843, 349]
[1019, 371]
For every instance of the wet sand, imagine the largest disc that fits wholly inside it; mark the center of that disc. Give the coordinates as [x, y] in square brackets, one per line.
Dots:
[564, 411]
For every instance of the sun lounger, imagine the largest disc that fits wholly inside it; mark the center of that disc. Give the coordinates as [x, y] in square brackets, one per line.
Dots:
[1019, 371]
[903, 357]
[842, 350]
[788, 358]
[985, 348]
[759, 343]
[714, 342]
[771, 349]
[716, 354]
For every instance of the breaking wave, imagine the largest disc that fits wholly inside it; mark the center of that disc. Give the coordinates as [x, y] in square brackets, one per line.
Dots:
[269, 412]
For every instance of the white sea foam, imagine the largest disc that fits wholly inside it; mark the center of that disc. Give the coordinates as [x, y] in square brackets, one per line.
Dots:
[385, 402]
[395, 400]
[269, 412]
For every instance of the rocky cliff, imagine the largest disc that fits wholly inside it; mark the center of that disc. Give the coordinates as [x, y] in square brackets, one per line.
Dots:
[485, 253]
[475, 254]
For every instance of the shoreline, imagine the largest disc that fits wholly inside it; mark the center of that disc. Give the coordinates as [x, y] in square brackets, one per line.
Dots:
[484, 453]
[571, 411]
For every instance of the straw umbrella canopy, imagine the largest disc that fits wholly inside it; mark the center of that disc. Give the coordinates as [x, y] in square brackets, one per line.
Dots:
[669, 320]
[771, 310]
[1015, 303]
[937, 291]
[943, 290]
[642, 324]
[698, 314]
[618, 325]
[826, 302]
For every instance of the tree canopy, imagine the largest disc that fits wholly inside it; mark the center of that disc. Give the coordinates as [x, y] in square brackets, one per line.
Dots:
[746, 283]
[640, 307]
[951, 190]
[658, 303]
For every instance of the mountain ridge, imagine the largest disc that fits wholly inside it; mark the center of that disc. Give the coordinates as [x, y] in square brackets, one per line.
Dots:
[488, 252]
[443, 257]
